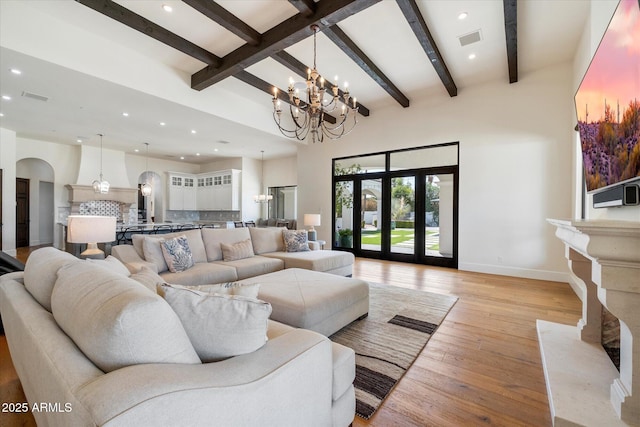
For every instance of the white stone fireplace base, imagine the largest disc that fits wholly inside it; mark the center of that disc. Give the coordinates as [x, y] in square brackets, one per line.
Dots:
[584, 387]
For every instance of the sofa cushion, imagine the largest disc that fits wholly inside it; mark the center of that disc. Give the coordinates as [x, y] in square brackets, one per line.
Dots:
[40, 272]
[194, 237]
[236, 251]
[112, 263]
[212, 239]
[254, 266]
[295, 240]
[147, 277]
[115, 321]
[177, 254]
[202, 273]
[315, 260]
[267, 239]
[219, 326]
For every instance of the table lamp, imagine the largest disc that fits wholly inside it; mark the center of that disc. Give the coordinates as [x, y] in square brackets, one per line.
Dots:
[91, 229]
[312, 220]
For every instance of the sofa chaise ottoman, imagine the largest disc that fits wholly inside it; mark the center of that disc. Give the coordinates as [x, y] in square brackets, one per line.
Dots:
[320, 302]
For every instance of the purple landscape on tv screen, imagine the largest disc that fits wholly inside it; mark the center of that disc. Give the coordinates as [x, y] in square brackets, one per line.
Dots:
[608, 103]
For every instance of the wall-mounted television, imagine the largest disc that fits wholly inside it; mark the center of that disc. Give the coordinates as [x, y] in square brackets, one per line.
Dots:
[608, 103]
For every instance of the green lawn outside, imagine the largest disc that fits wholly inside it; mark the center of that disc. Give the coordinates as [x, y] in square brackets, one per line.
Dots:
[399, 235]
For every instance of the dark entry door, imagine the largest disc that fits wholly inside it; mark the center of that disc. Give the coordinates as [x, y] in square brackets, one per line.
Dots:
[22, 212]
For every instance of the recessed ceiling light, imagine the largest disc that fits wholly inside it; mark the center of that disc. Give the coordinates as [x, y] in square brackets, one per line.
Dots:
[181, 157]
[167, 8]
[193, 131]
[472, 56]
[78, 140]
[162, 123]
[463, 15]
[215, 149]
[136, 150]
[6, 97]
[1, 114]
[125, 114]
[197, 154]
[16, 71]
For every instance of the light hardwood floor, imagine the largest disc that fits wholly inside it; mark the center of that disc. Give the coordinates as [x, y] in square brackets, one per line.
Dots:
[481, 367]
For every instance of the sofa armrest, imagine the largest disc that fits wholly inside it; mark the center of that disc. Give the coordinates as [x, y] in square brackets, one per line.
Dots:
[129, 257]
[252, 389]
[313, 245]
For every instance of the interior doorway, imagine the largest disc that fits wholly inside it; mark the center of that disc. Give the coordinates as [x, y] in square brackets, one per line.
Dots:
[22, 212]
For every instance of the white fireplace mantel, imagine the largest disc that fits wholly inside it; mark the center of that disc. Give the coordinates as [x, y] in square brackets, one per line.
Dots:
[583, 385]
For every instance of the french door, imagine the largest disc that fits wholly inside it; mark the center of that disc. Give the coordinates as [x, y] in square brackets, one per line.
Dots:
[404, 215]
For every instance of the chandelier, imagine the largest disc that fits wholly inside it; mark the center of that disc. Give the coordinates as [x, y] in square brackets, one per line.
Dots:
[262, 198]
[101, 186]
[308, 116]
[146, 188]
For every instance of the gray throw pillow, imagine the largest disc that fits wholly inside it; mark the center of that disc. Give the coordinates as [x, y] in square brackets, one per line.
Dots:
[219, 326]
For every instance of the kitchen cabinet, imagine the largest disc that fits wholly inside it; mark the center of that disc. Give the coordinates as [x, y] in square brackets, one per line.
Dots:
[182, 191]
[219, 190]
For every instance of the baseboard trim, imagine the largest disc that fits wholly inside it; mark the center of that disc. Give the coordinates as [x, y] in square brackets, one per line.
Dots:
[554, 276]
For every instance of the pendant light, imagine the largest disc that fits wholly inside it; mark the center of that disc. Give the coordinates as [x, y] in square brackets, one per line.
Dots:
[145, 190]
[262, 198]
[101, 186]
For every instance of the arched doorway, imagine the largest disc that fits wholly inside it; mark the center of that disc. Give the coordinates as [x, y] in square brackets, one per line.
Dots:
[150, 208]
[35, 214]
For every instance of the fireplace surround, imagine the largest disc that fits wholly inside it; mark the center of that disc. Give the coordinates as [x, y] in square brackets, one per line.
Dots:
[583, 385]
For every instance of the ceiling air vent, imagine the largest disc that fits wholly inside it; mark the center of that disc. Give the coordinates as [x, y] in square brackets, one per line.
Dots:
[35, 96]
[470, 38]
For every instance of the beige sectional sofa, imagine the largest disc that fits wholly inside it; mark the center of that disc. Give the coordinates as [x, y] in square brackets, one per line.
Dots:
[268, 255]
[109, 352]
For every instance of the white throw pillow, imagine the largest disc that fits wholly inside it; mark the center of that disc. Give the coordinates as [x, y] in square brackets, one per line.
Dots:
[116, 322]
[113, 264]
[219, 326]
[151, 247]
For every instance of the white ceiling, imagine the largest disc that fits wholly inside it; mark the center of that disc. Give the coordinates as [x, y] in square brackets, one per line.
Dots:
[92, 69]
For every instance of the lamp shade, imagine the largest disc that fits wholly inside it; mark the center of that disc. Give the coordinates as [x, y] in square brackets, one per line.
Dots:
[91, 229]
[312, 219]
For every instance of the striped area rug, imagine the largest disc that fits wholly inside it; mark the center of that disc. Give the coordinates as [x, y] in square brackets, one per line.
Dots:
[387, 342]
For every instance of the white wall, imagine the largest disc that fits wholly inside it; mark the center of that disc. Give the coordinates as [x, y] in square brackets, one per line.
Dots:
[515, 157]
[8, 166]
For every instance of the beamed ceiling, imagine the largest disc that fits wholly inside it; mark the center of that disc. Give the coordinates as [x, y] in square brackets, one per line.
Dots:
[389, 51]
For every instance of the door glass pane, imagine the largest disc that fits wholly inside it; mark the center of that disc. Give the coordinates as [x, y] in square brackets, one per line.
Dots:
[343, 233]
[371, 214]
[438, 232]
[403, 215]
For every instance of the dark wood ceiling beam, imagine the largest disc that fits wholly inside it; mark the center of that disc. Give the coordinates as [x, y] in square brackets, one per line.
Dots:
[283, 35]
[511, 33]
[226, 19]
[348, 46]
[305, 7]
[417, 23]
[293, 64]
[132, 20]
[264, 86]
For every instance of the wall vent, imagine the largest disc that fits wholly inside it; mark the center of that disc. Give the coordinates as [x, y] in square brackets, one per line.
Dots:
[470, 38]
[35, 96]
